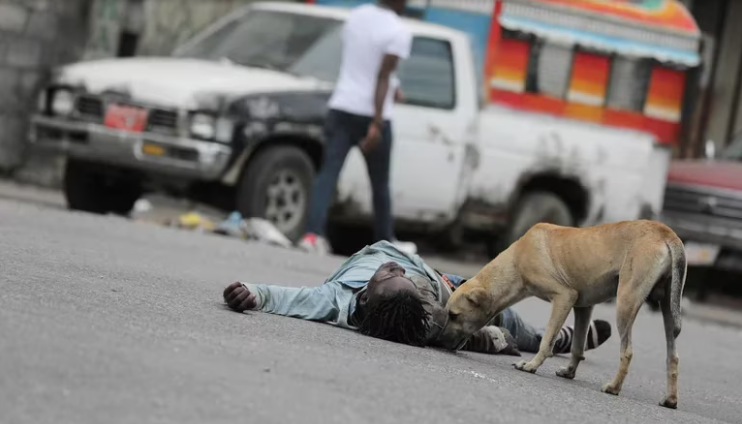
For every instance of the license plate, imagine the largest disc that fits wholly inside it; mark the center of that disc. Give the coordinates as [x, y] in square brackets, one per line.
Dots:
[700, 253]
[153, 149]
[126, 118]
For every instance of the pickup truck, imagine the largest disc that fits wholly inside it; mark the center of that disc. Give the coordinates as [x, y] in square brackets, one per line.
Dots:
[703, 205]
[235, 118]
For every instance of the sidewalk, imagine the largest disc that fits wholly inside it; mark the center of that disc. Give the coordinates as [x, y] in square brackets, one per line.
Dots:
[164, 208]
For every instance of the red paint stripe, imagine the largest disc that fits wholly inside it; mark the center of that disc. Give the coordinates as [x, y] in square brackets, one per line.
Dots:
[493, 43]
[666, 132]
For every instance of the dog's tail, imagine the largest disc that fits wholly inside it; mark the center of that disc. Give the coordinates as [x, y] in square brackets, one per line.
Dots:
[678, 273]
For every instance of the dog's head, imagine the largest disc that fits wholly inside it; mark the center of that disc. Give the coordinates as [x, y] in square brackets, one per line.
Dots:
[468, 309]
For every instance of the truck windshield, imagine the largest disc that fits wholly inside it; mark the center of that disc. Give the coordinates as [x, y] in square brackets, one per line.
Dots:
[295, 43]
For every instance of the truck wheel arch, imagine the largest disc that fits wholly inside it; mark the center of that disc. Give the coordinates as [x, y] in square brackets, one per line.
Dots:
[312, 147]
[565, 197]
[568, 188]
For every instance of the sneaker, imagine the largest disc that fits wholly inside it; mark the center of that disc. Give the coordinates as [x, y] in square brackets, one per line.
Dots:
[312, 243]
[598, 332]
[407, 247]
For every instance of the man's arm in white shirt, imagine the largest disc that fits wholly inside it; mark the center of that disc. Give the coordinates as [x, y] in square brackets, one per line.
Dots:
[398, 48]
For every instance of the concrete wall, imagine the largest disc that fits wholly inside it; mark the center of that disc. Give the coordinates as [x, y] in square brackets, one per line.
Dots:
[167, 23]
[35, 35]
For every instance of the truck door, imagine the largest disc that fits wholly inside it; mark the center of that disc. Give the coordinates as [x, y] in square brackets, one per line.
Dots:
[429, 129]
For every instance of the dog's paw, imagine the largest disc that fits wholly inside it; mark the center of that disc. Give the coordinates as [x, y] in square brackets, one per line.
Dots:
[608, 388]
[671, 403]
[566, 372]
[524, 366]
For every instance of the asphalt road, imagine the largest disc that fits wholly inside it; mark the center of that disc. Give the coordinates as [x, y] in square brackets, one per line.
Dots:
[105, 320]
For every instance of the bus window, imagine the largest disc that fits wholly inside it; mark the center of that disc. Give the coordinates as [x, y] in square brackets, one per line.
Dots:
[549, 69]
[628, 84]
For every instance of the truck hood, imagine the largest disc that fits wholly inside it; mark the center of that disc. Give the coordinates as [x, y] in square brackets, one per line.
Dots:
[708, 173]
[179, 82]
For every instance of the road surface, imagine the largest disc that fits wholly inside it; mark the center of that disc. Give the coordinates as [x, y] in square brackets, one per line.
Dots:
[106, 320]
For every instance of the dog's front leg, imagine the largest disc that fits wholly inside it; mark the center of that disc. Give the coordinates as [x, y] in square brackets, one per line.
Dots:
[582, 325]
[561, 304]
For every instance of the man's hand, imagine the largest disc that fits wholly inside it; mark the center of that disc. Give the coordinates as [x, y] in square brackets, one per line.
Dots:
[373, 137]
[398, 95]
[239, 298]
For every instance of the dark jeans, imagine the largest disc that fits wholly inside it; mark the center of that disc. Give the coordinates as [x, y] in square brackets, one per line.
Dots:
[343, 131]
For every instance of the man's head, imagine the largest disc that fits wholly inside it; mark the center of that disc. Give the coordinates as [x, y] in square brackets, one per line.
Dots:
[394, 309]
[398, 6]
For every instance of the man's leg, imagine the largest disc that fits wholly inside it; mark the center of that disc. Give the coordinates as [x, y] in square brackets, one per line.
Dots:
[339, 142]
[378, 162]
[528, 337]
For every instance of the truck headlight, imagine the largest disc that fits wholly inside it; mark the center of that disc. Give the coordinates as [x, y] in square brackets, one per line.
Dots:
[63, 102]
[209, 127]
[203, 126]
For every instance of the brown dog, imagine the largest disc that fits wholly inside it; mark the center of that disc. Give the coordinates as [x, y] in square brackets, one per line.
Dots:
[576, 268]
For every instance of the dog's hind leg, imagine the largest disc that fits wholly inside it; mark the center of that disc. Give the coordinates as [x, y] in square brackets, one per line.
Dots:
[633, 289]
[582, 325]
[561, 304]
[672, 318]
[671, 399]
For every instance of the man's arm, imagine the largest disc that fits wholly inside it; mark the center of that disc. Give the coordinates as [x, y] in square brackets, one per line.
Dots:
[373, 136]
[398, 48]
[310, 303]
[388, 65]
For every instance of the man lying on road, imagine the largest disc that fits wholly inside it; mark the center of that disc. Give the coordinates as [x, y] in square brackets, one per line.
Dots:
[386, 293]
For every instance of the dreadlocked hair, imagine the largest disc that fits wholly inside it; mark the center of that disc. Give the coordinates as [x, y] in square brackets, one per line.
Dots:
[400, 318]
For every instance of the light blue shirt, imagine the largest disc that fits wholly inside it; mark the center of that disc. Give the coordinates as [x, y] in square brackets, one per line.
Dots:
[334, 301]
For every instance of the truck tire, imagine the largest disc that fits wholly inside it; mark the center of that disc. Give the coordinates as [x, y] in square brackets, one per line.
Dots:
[277, 186]
[531, 209]
[87, 188]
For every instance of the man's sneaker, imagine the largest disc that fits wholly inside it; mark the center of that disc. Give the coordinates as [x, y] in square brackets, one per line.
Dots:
[407, 247]
[313, 243]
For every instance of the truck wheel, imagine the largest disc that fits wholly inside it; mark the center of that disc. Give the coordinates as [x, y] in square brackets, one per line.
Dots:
[88, 189]
[122, 195]
[276, 186]
[531, 209]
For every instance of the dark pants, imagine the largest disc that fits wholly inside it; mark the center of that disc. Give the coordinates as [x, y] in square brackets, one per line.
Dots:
[343, 131]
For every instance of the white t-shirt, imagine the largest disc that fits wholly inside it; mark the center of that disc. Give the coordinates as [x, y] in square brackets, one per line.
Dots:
[369, 33]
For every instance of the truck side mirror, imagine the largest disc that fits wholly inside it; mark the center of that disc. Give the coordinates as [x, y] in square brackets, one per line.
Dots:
[710, 149]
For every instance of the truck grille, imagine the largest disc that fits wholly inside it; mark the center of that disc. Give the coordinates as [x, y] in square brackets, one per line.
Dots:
[92, 108]
[161, 119]
[702, 201]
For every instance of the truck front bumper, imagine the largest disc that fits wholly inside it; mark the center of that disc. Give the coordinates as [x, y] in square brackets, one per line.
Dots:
[150, 152]
[722, 238]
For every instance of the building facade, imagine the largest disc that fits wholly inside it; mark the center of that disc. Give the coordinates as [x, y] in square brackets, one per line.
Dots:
[718, 112]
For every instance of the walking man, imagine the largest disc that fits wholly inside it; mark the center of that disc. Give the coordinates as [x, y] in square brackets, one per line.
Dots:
[360, 108]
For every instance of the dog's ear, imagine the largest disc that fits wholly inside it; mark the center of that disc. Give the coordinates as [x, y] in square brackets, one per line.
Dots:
[478, 297]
